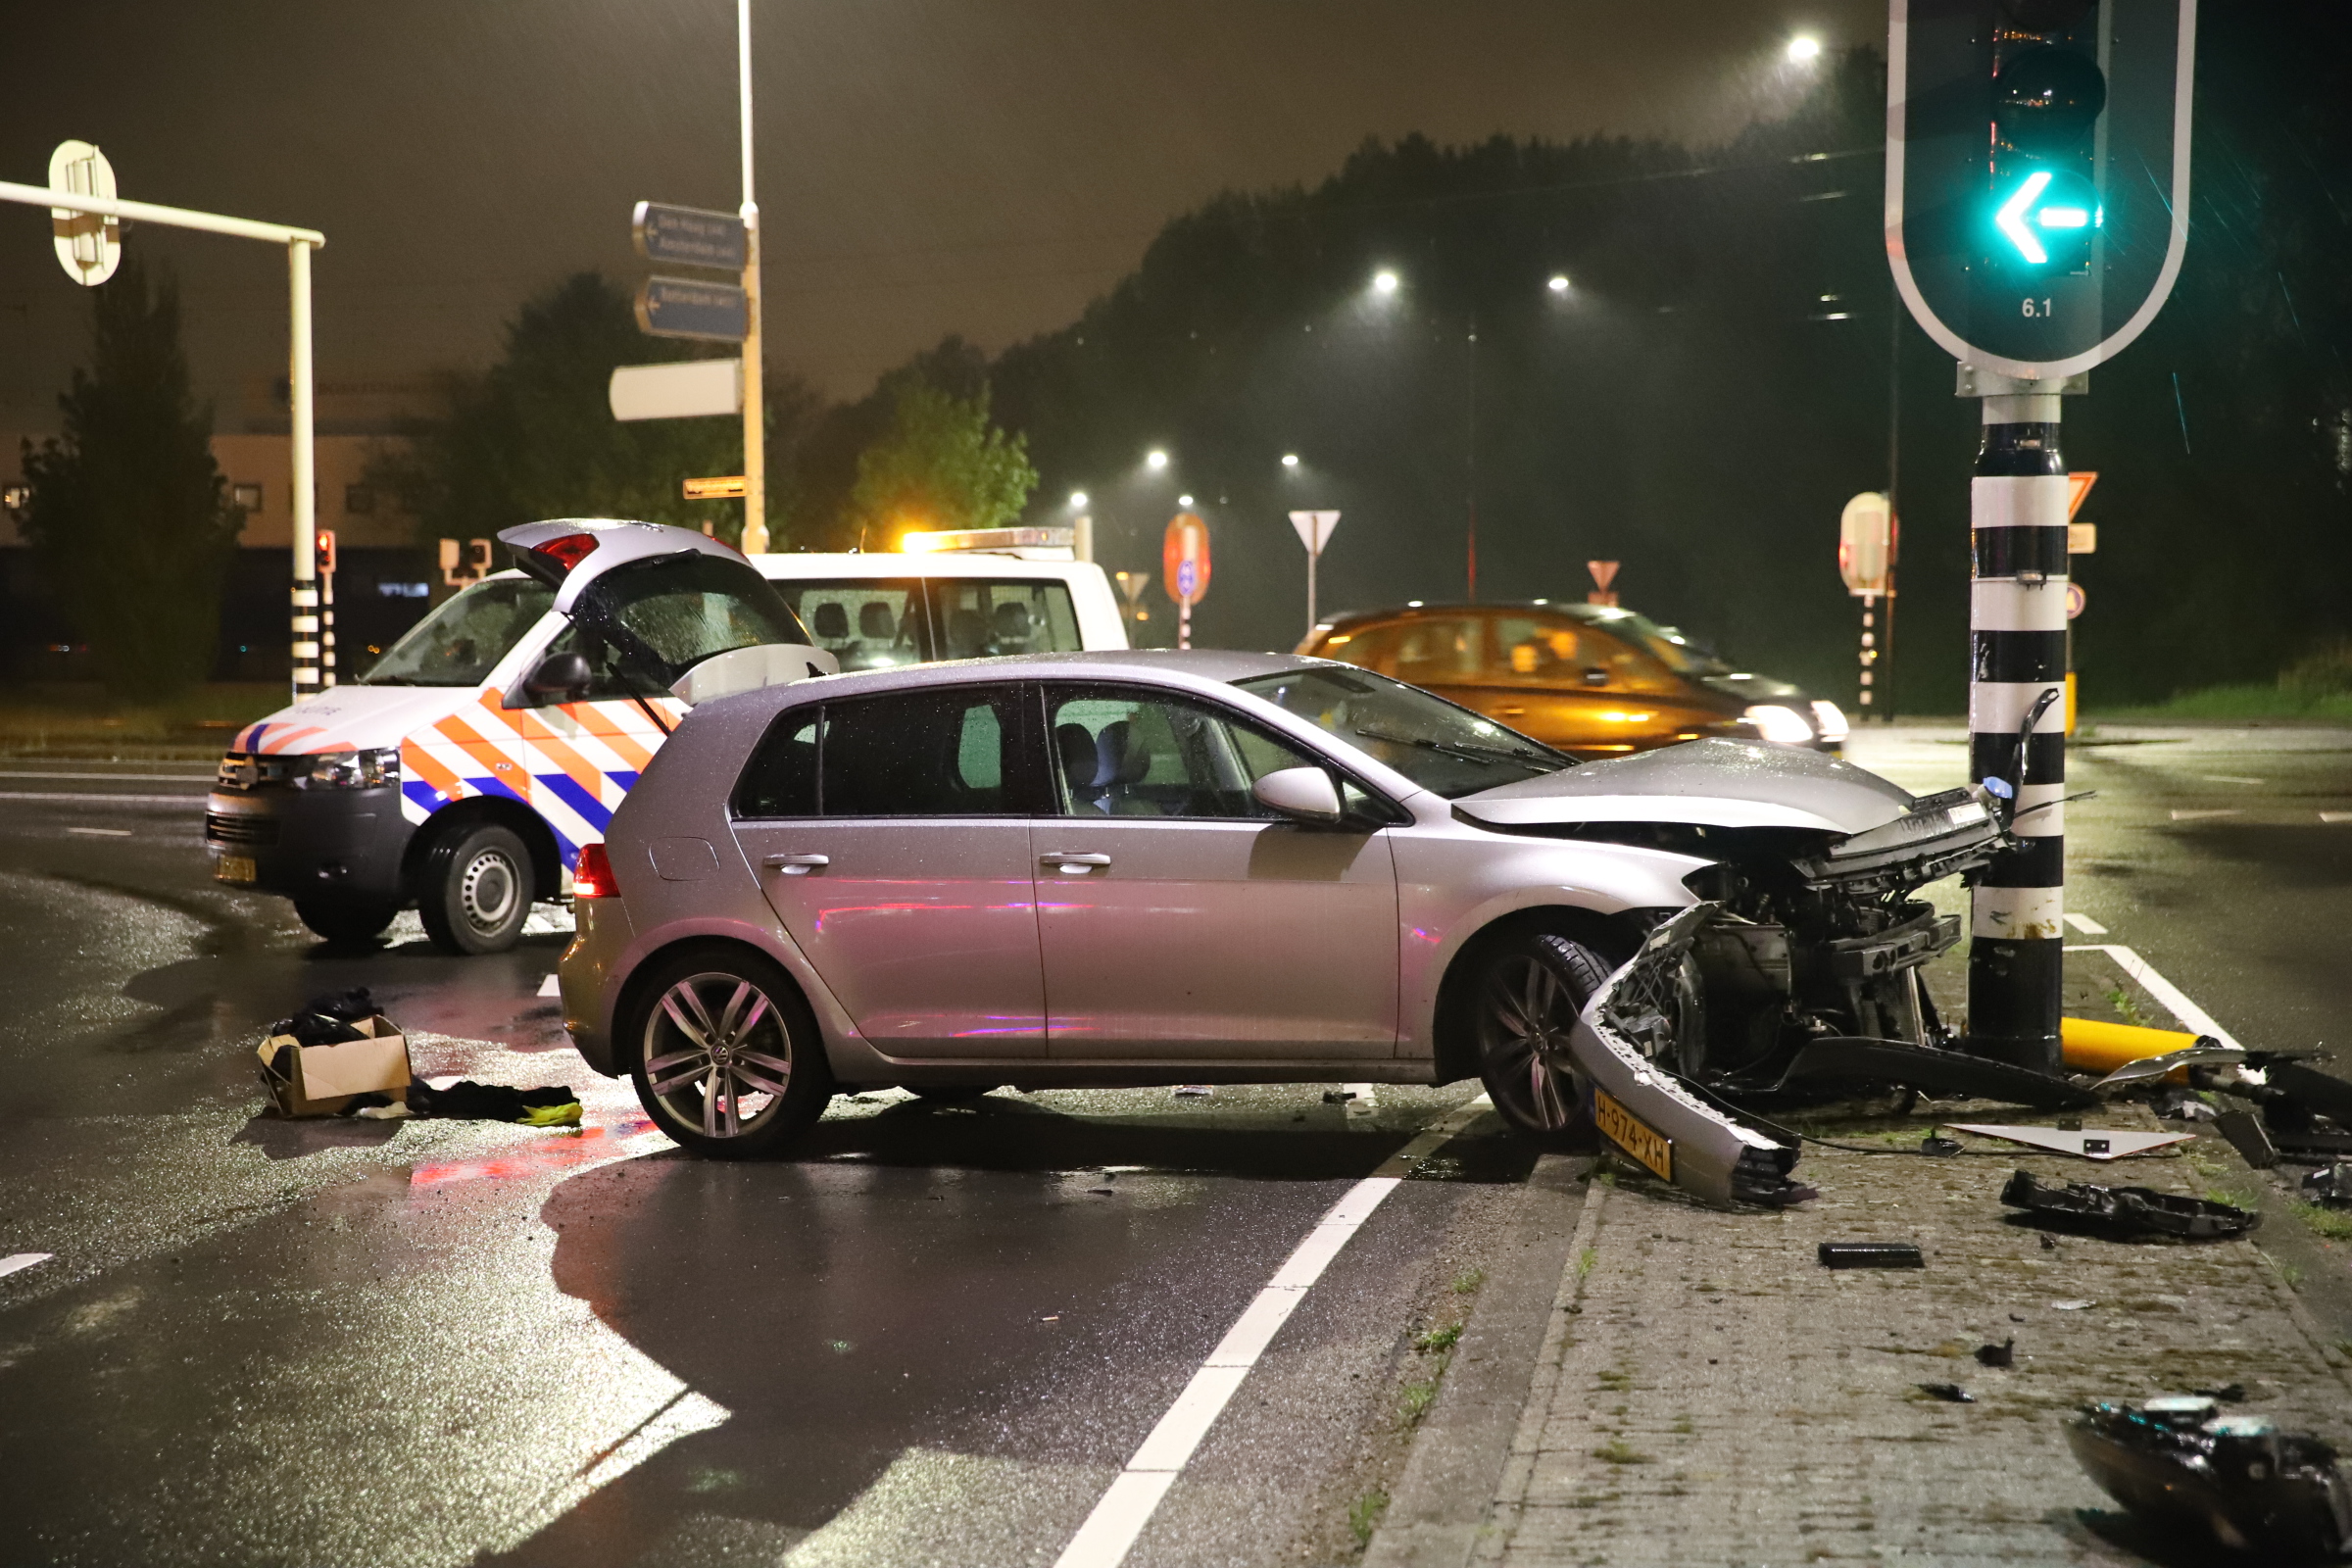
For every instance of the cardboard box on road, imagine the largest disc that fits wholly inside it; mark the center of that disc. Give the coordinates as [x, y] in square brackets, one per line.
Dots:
[322, 1080]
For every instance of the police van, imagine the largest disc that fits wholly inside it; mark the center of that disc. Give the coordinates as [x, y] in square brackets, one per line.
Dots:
[462, 773]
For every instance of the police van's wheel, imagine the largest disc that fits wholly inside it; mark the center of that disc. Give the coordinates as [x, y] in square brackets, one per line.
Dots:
[1529, 994]
[342, 919]
[725, 1056]
[476, 891]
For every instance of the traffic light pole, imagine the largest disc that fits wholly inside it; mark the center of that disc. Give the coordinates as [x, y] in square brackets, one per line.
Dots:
[2017, 675]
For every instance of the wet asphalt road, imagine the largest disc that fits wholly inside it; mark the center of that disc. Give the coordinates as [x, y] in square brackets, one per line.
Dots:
[933, 1337]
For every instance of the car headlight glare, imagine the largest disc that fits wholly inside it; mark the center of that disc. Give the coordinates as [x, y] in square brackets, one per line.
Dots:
[1829, 719]
[354, 770]
[1783, 726]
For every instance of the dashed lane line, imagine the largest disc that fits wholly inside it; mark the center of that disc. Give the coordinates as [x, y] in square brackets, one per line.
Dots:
[137, 778]
[107, 796]
[1118, 1518]
[2085, 924]
[2193, 1018]
[14, 1262]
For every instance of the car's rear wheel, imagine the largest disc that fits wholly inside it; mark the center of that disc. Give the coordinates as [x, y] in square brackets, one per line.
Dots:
[1529, 990]
[476, 890]
[342, 919]
[725, 1056]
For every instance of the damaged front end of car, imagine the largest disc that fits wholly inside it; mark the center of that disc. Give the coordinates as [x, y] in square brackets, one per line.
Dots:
[1797, 975]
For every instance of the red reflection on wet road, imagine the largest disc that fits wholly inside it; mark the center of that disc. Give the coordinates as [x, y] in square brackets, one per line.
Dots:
[558, 1151]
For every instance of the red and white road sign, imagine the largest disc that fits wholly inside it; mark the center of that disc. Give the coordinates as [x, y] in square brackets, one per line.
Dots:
[1184, 559]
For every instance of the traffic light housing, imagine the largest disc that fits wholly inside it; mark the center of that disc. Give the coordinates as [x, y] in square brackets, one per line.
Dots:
[2038, 173]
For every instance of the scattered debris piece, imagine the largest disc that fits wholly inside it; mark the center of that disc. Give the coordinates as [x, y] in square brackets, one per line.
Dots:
[1099, 1192]
[1194, 1091]
[1338, 1097]
[2179, 1463]
[1949, 1393]
[2227, 1394]
[2179, 1103]
[2306, 1087]
[468, 1101]
[1871, 1254]
[1936, 1144]
[2092, 1045]
[2049, 1242]
[2092, 1143]
[2001, 1355]
[2131, 1210]
[338, 1049]
[2072, 1307]
[2174, 1065]
[2244, 1131]
[2315, 1144]
[2331, 1185]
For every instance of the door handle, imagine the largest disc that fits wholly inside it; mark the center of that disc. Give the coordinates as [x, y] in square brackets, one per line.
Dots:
[1072, 864]
[796, 865]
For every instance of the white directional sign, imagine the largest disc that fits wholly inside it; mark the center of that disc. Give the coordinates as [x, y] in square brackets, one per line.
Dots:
[88, 247]
[680, 390]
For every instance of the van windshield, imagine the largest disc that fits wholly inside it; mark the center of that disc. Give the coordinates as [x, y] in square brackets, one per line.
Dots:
[462, 641]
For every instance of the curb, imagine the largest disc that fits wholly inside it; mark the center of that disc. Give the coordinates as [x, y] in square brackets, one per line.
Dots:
[1464, 1443]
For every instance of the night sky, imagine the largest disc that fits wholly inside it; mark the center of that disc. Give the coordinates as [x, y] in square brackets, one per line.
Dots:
[924, 167]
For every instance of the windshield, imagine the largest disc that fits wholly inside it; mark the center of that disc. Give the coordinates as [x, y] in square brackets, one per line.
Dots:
[462, 641]
[681, 609]
[1673, 649]
[1446, 750]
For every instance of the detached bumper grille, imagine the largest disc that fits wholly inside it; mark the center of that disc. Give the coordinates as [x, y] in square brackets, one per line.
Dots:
[223, 829]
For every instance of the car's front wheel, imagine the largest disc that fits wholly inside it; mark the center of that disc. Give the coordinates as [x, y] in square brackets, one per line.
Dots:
[726, 1057]
[476, 890]
[1530, 990]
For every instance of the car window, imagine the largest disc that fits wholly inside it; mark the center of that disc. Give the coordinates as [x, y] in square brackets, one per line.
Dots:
[1135, 753]
[1425, 651]
[979, 618]
[679, 611]
[462, 641]
[1554, 651]
[1440, 746]
[951, 752]
[865, 624]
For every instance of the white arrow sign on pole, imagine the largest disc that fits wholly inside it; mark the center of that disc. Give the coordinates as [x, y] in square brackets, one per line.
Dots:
[1314, 533]
[679, 390]
[89, 246]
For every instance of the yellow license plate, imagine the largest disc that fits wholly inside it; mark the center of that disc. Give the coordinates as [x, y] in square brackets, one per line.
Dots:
[1635, 1136]
[234, 868]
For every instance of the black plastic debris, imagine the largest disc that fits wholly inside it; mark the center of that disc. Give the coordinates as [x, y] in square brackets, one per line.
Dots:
[1938, 1146]
[1949, 1393]
[2126, 1210]
[2245, 1133]
[1871, 1254]
[2306, 1087]
[2227, 1394]
[328, 1020]
[2001, 1355]
[2331, 1185]
[2181, 1465]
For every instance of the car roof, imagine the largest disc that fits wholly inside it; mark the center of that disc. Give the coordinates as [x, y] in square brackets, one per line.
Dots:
[1557, 607]
[886, 565]
[1200, 669]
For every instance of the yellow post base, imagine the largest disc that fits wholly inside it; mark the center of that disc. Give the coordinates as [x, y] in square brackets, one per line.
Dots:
[2090, 1046]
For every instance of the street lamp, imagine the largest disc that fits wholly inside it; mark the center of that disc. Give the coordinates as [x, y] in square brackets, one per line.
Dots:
[1156, 460]
[1186, 501]
[1290, 460]
[1804, 48]
[1558, 283]
[1383, 282]
[1077, 501]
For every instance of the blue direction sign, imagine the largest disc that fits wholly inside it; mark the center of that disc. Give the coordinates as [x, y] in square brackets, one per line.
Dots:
[682, 307]
[689, 236]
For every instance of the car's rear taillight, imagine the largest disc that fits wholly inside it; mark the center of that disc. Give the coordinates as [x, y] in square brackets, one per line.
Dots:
[568, 551]
[592, 878]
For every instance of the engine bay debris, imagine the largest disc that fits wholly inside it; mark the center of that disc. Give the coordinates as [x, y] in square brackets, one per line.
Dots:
[2179, 1463]
[2126, 1210]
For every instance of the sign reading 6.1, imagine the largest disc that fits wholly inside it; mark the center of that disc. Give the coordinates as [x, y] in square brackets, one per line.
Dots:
[2053, 252]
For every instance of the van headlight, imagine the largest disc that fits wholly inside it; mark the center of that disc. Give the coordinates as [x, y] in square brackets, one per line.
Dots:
[352, 770]
[1783, 726]
[1829, 719]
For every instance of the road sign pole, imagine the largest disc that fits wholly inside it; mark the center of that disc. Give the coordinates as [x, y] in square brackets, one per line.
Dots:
[2016, 672]
[754, 365]
[303, 610]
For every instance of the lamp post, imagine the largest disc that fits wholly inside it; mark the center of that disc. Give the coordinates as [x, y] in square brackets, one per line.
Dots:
[755, 418]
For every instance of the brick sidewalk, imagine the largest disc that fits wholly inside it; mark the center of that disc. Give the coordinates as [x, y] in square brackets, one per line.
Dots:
[1708, 1393]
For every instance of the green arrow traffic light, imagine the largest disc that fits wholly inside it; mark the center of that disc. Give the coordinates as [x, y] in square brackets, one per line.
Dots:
[2046, 204]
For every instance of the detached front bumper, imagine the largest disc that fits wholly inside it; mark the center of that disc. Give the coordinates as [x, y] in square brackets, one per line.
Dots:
[304, 843]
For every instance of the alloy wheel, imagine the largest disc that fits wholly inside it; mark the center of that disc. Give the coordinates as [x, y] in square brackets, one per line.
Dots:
[717, 1054]
[1526, 1012]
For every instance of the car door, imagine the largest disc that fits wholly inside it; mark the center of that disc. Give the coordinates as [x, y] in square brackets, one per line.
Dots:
[1182, 921]
[890, 834]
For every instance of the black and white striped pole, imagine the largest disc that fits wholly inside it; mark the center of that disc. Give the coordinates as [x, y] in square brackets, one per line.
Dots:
[2016, 744]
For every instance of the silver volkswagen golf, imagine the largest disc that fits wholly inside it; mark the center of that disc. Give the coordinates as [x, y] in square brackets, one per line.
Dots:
[1134, 868]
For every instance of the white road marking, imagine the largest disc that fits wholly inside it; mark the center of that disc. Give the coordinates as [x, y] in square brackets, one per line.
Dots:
[101, 832]
[22, 1261]
[2085, 924]
[2225, 778]
[2197, 817]
[2195, 1019]
[549, 988]
[1119, 1516]
[142, 778]
[85, 796]
[2335, 816]
[1365, 1101]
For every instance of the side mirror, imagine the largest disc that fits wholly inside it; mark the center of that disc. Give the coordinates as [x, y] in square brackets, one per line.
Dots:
[1302, 794]
[560, 678]
[1595, 675]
